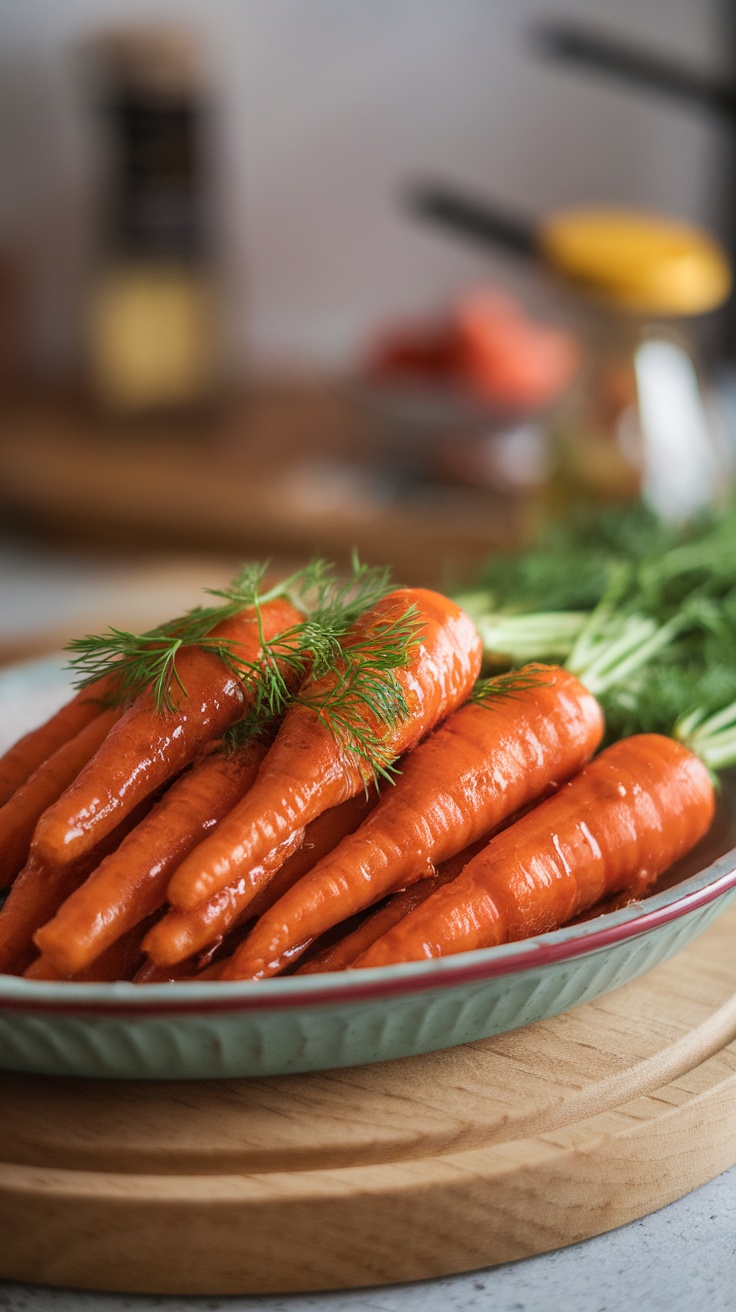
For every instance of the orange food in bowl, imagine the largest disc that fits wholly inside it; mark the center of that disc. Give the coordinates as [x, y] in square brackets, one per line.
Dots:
[507, 357]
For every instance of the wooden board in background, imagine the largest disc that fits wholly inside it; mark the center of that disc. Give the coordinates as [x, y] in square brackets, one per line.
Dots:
[291, 469]
[442, 1163]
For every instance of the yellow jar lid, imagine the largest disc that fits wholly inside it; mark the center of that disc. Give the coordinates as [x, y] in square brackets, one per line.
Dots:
[637, 261]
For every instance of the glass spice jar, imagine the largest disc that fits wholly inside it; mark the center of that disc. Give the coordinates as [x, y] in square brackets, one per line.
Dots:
[638, 422]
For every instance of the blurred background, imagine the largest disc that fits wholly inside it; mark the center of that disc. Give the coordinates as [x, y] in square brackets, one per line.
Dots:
[412, 276]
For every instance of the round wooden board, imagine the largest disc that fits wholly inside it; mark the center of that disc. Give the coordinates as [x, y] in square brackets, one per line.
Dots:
[418, 1168]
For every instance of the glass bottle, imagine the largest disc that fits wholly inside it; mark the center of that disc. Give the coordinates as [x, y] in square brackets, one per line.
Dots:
[638, 423]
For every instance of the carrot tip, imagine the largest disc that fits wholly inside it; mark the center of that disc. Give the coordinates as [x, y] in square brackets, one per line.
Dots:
[186, 897]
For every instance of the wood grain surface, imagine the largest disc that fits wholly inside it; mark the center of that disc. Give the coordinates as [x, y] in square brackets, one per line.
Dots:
[288, 469]
[448, 1162]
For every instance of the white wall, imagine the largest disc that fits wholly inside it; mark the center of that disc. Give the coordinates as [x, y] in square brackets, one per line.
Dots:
[326, 107]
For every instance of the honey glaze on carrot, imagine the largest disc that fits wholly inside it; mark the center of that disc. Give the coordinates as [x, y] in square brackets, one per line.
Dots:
[42, 887]
[30, 751]
[148, 747]
[130, 884]
[20, 814]
[624, 819]
[480, 766]
[309, 768]
[181, 933]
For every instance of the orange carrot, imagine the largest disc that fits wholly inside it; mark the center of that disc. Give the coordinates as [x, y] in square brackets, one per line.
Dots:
[119, 961]
[182, 933]
[308, 768]
[320, 837]
[342, 953]
[20, 761]
[488, 760]
[19, 815]
[617, 901]
[149, 746]
[131, 883]
[191, 969]
[638, 807]
[150, 973]
[40, 889]
[213, 971]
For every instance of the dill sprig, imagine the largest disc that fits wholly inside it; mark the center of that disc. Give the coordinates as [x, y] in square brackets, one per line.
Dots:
[148, 661]
[361, 701]
[363, 697]
[249, 727]
[316, 644]
[500, 686]
[140, 661]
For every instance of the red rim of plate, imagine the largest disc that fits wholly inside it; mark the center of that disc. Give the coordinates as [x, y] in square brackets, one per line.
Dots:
[360, 989]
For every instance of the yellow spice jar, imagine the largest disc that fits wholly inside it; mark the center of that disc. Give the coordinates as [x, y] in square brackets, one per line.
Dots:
[638, 422]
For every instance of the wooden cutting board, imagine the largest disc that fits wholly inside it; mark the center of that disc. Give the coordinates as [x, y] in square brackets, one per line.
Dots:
[437, 1164]
[281, 469]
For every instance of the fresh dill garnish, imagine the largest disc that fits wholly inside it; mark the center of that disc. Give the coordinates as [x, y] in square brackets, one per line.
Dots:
[363, 697]
[643, 613]
[353, 687]
[568, 569]
[148, 661]
[500, 686]
[139, 661]
[361, 700]
[248, 728]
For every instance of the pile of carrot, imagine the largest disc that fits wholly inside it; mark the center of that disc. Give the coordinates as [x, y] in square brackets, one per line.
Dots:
[136, 843]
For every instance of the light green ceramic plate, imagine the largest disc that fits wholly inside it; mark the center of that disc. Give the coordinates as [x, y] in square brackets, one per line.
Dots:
[208, 1030]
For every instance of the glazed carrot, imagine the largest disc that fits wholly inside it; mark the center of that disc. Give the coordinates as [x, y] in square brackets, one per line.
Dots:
[20, 761]
[488, 760]
[131, 883]
[342, 953]
[308, 768]
[119, 961]
[320, 837]
[182, 933]
[20, 814]
[40, 889]
[150, 973]
[191, 969]
[213, 971]
[149, 746]
[640, 885]
[638, 807]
